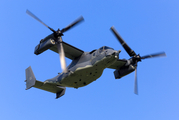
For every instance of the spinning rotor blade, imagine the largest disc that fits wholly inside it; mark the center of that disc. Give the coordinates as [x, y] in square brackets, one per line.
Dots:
[123, 43]
[154, 55]
[32, 15]
[61, 55]
[60, 46]
[134, 57]
[72, 24]
[135, 83]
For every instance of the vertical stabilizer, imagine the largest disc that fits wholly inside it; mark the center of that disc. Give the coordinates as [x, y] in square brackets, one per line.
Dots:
[30, 78]
[50, 87]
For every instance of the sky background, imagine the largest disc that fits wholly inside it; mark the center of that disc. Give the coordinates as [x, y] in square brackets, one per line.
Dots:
[148, 26]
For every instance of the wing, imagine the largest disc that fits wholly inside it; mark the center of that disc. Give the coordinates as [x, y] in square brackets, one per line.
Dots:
[71, 52]
[118, 63]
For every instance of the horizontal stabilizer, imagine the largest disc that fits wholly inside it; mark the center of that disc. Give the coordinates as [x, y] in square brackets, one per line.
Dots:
[32, 82]
[59, 90]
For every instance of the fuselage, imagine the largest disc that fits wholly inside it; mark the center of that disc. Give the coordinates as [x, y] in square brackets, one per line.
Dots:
[86, 68]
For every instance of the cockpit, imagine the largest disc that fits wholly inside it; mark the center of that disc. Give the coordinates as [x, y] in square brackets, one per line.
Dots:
[104, 48]
[101, 49]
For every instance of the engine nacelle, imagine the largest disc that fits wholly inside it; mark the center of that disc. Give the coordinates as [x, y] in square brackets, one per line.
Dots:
[43, 46]
[121, 72]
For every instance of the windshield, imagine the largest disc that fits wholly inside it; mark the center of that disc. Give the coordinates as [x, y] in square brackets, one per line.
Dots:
[105, 47]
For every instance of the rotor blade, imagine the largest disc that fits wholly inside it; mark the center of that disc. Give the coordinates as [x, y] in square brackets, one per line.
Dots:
[154, 55]
[32, 15]
[62, 56]
[80, 19]
[123, 43]
[135, 83]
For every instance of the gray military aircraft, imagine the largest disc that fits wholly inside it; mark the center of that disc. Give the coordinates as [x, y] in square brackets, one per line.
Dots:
[85, 67]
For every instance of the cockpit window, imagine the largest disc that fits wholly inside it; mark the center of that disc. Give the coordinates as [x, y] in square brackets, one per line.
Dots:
[105, 47]
[100, 49]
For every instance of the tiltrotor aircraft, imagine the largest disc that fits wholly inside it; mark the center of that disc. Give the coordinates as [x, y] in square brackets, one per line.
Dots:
[85, 67]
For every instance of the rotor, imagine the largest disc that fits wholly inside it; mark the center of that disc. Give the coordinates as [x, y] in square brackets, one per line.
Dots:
[134, 57]
[57, 34]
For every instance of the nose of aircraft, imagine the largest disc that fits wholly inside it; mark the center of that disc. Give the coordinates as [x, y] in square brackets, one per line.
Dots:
[113, 52]
[116, 53]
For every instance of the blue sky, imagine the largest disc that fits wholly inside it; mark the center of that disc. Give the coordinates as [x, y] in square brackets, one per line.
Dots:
[148, 26]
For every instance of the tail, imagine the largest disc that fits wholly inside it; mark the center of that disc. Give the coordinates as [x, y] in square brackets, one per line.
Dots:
[32, 82]
[30, 78]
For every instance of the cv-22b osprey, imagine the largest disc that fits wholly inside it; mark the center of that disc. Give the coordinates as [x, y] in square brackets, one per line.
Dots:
[85, 67]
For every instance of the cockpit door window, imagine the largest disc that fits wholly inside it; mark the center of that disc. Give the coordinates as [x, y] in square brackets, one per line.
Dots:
[101, 49]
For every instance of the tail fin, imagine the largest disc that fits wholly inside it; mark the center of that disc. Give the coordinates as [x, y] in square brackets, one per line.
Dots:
[32, 82]
[30, 78]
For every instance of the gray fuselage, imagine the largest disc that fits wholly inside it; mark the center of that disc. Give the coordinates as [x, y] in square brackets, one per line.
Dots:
[86, 68]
